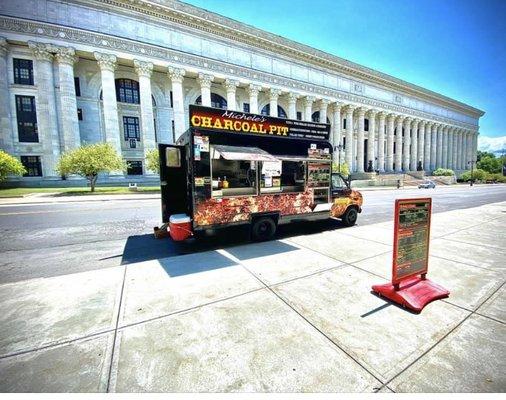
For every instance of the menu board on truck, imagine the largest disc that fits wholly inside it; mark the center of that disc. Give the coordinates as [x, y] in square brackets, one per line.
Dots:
[411, 238]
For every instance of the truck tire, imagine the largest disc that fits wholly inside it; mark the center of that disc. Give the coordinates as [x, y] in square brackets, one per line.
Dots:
[349, 218]
[263, 229]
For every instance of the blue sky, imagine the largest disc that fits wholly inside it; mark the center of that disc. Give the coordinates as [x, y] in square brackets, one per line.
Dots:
[453, 47]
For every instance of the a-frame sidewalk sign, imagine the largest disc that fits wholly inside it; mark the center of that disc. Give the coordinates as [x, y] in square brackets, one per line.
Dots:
[410, 286]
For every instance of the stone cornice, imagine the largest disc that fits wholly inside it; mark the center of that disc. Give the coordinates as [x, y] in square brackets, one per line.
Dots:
[209, 22]
[110, 44]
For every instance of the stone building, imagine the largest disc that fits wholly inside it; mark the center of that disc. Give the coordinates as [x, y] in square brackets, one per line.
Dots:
[126, 71]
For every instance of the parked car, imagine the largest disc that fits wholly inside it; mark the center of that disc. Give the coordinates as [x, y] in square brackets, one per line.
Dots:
[427, 185]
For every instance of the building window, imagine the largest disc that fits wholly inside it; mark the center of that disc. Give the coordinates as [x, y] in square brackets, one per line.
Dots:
[344, 123]
[156, 133]
[299, 115]
[315, 117]
[131, 129]
[77, 86]
[366, 125]
[134, 167]
[245, 107]
[27, 119]
[127, 91]
[173, 131]
[32, 165]
[216, 101]
[267, 110]
[344, 143]
[80, 114]
[171, 100]
[23, 71]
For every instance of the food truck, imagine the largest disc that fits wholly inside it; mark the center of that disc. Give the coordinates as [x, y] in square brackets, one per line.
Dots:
[232, 168]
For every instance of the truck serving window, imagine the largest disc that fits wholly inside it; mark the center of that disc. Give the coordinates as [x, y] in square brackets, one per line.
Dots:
[233, 177]
[282, 176]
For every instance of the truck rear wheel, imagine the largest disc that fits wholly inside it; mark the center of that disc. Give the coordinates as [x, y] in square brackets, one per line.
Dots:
[263, 229]
[349, 218]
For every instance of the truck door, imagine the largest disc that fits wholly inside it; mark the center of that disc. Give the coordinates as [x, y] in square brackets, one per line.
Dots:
[174, 180]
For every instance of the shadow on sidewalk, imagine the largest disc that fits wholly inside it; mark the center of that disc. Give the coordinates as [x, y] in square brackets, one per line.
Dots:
[145, 247]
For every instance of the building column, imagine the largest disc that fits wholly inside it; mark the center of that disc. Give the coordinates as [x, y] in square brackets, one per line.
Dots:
[360, 140]
[450, 147]
[398, 145]
[464, 150]
[323, 110]
[469, 149]
[420, 153]
[273, 102]
[204, 81]
[455, 142]
[292, 105]
[371, 140]
[176, 76]
[47, 120]
[459, 149]
[231, 87]
[6, 131]
[253, 91]
[465, 159]
[349, 137]
[308, 107]
[107, 65]
[144, 70]
[439, 148]
[336, 133]
[413, 160]
[406, 144]
[474, 145]
[390, 143]
[65, 56]
[433, 147]
[381, 142]
[428, 146]
[444, 163]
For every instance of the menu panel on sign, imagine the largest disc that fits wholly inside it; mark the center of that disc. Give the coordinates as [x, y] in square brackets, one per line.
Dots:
[411, 238]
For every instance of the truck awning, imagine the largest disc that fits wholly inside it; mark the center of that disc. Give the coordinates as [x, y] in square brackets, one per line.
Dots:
[243, 153]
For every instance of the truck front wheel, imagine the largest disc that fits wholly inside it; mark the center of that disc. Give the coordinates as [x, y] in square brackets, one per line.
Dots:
[263, 229]
[349, 218]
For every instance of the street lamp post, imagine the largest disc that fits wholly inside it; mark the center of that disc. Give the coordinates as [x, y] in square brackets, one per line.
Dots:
[472, 164]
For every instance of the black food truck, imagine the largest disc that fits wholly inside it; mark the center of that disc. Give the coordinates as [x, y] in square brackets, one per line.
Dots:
[234, 168]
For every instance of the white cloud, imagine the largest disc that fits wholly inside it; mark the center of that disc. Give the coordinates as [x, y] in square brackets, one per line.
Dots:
[492, 144]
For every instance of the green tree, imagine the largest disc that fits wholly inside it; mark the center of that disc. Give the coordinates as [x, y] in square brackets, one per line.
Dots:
[342, 168]
[478, 175]
[490, 164]
[153, 161]
[89, 160]
[480, 154]
[10, 165]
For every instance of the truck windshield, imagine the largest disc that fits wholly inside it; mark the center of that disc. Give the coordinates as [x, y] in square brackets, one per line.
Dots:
[338, 182]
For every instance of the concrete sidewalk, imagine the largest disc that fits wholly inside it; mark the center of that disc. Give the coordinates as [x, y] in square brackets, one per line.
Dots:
[293, 315]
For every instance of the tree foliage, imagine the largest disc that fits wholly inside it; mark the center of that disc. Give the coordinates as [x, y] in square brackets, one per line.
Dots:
[153, 161]
[443, 172]
[89, 160]
[488, 162]
[477, 175]
[10, 165]
[342, 168]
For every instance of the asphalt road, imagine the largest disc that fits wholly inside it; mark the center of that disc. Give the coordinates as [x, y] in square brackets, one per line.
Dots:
[42, 240]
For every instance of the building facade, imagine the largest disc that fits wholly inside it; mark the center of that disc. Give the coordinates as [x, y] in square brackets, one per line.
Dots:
[126, 71]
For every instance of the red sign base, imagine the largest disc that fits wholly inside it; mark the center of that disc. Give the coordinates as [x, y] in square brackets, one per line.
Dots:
[413, 293]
